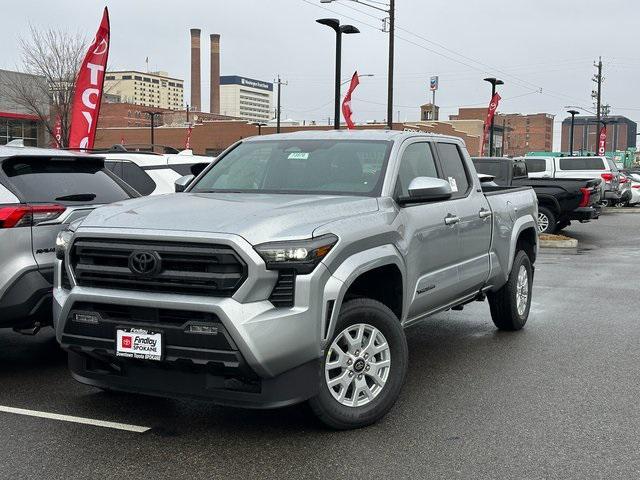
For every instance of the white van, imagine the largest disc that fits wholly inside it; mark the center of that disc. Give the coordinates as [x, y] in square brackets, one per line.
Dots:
[578, 168]
[153, 173]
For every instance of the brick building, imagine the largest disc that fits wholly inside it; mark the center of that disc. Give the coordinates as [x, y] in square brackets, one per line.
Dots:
[523, 133]
[212, 137]
[115, 115]
[621, 134]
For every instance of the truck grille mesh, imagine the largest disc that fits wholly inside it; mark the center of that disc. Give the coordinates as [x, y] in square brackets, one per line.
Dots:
[183, 268]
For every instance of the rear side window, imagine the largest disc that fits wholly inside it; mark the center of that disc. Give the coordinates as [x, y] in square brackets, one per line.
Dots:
[63, 180]
[490, 168]
[594, 163]
[519, 169]
[536, 165]
[133, 175]
[453, 166]
[417, 161]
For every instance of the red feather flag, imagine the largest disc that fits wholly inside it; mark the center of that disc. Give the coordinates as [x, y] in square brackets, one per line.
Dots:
[346, 103]
[88, 89]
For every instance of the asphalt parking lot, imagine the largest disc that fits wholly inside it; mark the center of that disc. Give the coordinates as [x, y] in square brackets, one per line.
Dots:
[556, 400]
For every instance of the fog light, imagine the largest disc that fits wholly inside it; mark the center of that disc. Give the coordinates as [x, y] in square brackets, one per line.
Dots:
[91, 318]
[203, 329]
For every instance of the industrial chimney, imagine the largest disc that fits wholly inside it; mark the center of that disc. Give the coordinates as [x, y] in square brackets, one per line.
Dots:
[215, 74]
[195, 70]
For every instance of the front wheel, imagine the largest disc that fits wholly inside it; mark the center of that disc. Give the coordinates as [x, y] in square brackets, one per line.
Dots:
[364, 366]
[511, 304]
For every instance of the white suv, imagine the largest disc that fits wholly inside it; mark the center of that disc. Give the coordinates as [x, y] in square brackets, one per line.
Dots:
[153, 173]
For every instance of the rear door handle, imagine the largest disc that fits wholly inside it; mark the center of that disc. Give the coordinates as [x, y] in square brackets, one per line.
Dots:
[451, 220]
[485, 213]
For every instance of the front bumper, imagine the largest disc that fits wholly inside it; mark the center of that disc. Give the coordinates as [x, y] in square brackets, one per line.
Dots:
[267, 342]
[288, 388]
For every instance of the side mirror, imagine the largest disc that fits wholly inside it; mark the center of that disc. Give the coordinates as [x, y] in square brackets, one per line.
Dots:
[426, 189]
[183, 182]
[486, 178]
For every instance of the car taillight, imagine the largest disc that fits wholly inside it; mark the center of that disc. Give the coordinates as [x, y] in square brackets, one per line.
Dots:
[586, 196]
[607, 177]
[13, 216]
[623, 180]
[635, 186]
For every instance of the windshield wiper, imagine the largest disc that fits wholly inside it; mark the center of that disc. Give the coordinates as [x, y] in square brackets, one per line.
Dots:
[77, 197]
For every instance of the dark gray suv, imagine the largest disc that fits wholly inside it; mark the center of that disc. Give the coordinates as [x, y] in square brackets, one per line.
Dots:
[42, 191]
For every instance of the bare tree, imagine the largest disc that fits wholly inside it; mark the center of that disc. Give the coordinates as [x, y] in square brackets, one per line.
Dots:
[51, 60]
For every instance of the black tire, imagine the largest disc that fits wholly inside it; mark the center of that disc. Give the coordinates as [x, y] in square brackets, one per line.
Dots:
[551, 220]
[503, 303]
[342, 417]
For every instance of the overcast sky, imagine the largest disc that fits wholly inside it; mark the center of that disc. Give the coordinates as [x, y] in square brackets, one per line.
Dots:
[536, 46]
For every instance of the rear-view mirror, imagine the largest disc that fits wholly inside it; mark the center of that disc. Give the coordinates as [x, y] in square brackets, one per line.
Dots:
[426, 189]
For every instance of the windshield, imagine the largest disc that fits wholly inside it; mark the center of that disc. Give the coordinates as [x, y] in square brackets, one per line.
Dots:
[336, 167]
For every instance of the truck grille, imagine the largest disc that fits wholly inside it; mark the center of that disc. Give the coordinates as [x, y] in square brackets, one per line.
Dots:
[184, 268]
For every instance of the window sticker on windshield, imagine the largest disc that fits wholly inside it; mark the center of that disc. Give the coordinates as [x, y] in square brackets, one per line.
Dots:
[454, 184]
[298, 156]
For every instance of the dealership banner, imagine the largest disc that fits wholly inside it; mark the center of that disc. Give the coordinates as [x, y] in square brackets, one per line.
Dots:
[491, 112]
[346, 103]
[56, 141]
[602, 140]
[187, 142]
[88, 89]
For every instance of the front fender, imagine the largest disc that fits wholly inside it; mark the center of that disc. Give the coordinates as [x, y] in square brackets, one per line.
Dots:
[347, 272]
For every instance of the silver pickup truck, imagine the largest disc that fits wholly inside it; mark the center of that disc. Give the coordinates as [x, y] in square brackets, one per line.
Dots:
[288, 270]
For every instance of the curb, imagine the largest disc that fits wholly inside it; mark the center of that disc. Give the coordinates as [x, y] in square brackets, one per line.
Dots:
[622, 210]
[570, 243]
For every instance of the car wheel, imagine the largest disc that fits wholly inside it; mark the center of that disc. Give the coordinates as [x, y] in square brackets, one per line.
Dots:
[605, 203]
[546, 220]
[511, 304]
[363, 368]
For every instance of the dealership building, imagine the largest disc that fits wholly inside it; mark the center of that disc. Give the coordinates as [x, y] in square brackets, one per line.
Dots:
[16, 121]
[246, 98]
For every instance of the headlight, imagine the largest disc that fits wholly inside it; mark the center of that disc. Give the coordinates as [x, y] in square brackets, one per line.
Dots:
[62, 242]
[300, 255]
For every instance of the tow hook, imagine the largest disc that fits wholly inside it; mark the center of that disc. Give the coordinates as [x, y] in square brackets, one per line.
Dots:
[32, 330]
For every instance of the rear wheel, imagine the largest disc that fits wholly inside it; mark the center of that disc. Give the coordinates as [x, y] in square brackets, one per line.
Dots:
[511, 304]
[364, 366]
[546, 220]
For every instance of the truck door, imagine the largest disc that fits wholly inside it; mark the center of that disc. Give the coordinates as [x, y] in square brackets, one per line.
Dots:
[430, 241]
[474, 228]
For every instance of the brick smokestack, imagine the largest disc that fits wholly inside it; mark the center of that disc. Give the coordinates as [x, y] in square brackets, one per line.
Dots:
[195, 71]
[215, 74]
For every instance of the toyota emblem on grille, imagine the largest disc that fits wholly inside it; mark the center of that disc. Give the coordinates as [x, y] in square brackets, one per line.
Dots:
[144, 263]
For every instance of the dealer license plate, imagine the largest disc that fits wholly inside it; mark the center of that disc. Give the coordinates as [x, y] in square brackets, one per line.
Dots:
[138, 343]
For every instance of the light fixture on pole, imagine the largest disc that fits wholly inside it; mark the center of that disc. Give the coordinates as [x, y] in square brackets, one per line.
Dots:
[573, 114]
[493, 81]
[391, 11]
[334, 24]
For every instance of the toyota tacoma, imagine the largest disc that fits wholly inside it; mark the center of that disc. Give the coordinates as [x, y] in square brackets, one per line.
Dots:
[288, 270]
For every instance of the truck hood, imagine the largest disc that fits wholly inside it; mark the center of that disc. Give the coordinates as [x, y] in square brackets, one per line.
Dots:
[258, 218]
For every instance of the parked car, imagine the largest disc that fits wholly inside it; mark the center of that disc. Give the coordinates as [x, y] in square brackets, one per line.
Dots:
[287, 270]
[41, 192]
[579, 168]
[152, 173]
[559, 200]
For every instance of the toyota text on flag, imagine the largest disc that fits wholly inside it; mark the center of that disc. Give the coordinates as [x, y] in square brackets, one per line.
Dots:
[88, 89]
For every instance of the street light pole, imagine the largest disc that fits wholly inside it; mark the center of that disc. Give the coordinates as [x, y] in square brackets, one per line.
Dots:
[392, 22]
[392, 27]
[334, 24]
[573, 114]
[493, 82]
[152, 116]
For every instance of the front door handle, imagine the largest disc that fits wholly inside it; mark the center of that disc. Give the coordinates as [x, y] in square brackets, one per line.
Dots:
[485, 213]
[451, 220]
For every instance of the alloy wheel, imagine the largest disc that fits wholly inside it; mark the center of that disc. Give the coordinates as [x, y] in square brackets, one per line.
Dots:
[543, 222]
[522, 290]
[358, 365]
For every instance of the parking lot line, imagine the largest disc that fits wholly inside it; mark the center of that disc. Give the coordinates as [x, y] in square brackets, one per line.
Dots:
[70, 418]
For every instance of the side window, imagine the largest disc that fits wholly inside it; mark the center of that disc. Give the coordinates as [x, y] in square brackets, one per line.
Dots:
[137, 178]
[417, 161]
[454, 169]
[115, 167]
[536, 165]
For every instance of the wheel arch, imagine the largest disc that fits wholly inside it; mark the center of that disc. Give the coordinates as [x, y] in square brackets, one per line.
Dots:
[359, 276]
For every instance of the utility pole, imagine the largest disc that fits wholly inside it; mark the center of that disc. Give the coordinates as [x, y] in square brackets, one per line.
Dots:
[598, 96]
[392, 22]
[279, 82]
